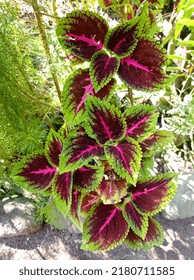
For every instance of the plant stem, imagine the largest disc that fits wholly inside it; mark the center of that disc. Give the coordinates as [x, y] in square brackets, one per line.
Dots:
[45, 44]
[130, 95]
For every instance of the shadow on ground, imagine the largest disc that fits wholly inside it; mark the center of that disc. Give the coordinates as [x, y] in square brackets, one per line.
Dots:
[53, 244]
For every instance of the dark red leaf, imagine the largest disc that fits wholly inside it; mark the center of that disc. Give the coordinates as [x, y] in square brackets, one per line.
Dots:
[123, 38]
[78, 150]
[87, 178]
[82, 32]
[37, 172]
[152, 195]
[143, 68]
[104, 228]
[105, 122]
[141, 121]
[88, 200]
[137, 221]
[154, 236]
[102, 69]
[74, 209]
[53, 147]
[125, 159]
[63, 185]
[75, 90]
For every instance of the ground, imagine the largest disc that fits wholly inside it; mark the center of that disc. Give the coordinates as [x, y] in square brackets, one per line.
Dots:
[52, 244]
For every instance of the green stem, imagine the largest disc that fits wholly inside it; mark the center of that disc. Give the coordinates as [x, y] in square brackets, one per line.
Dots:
[45, 44]
[130, 95]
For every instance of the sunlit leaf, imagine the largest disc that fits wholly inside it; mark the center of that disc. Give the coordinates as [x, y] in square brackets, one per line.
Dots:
[75, 90]
[104, 228]
[82, 32]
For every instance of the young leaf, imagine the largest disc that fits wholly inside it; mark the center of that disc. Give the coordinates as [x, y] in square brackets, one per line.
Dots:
[143, 68]
[78, 150]
[152, 195]
[125, 159]
[36, 173]
[154, 237]
[75, 90]
[104, 228]
[87, 201]
[62, 186]
[102, 69]
[112, 190]
[82, 32]
[104, 121]
[137, 222]
[87, 178]
[123, 39]
[53, 147]
[141, 121]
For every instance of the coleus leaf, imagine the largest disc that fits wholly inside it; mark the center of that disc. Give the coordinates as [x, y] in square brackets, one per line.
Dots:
[112, 189]
[82, 32]
[75, 90]
[123, 39]
[156, 142]
[78, 150]
[141, 121]
[154, 237]
[108, 3]
[104, 228]
[143, 68]
[74, 209]
[87, 201]
[102, 69]
[35, 173]
[125, 158]
[137, 222]
[62, 191]
[87, 178]
[53, 147]
[152, 195]
[104, 121]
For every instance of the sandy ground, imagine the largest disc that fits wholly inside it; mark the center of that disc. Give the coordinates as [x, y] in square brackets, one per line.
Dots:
[52, 244]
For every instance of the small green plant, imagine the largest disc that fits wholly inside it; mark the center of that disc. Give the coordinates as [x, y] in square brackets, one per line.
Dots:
[98, 165]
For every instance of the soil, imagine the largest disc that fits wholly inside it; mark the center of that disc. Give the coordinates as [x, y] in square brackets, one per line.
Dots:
[52, 244]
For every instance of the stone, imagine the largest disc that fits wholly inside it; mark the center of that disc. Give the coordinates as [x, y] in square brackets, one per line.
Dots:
[17, 217]
[182, 205]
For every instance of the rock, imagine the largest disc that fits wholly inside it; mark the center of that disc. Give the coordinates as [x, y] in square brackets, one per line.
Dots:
[182, 205]
[17, 217]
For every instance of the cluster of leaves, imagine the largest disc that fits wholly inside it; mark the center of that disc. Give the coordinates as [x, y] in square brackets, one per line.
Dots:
[98, 165]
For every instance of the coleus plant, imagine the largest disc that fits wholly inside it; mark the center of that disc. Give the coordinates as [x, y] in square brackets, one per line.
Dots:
[98, 167]
[96, 171]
